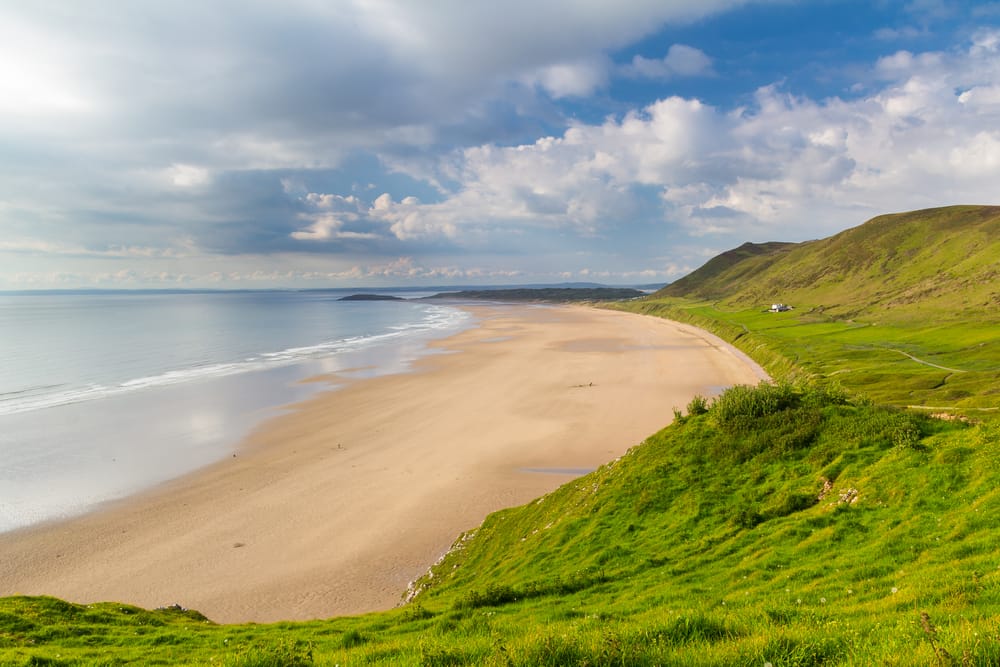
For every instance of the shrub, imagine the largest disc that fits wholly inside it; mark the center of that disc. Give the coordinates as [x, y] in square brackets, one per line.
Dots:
[742, 401]
[698, 405]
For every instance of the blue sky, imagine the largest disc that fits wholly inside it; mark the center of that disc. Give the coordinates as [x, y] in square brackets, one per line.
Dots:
[377, 142]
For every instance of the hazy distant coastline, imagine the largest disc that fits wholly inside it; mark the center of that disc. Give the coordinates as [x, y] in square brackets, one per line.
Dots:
[519, 294]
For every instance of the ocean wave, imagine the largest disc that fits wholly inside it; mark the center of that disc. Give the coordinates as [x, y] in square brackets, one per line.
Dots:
[436, 318]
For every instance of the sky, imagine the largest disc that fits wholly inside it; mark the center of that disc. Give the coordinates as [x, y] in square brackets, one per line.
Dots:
[336, 143]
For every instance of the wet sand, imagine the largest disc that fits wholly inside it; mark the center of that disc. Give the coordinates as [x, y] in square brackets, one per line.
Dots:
[335, 507]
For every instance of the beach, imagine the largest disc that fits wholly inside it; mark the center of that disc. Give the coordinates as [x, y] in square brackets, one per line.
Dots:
[335, 506]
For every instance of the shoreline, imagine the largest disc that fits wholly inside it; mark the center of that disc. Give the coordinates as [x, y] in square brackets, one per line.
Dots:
[334, 507]
[126, 427]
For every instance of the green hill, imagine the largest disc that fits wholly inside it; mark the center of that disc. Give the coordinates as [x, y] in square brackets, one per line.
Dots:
[799, 524]
[722, 274]
[943, 261]
[904, 308]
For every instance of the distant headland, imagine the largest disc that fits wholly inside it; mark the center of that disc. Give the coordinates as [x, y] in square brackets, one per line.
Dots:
[522, 294]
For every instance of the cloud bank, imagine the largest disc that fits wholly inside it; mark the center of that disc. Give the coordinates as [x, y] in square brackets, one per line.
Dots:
[305, 142]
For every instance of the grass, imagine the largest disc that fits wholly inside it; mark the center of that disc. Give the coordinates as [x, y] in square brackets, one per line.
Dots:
[954, 366]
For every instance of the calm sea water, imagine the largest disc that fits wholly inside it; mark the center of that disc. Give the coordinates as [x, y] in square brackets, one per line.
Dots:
[103, 395]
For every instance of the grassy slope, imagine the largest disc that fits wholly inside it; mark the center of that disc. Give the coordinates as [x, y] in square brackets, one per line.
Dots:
[871, 304]
[908, 266]
[706, 545]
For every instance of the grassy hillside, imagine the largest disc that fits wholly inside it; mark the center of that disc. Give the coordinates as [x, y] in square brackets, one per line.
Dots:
[904, 308]
[938, 263]
[791, 524]
[723, 273]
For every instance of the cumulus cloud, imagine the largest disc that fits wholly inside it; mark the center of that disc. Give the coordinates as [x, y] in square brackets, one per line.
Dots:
[782, 167]
[328, 215]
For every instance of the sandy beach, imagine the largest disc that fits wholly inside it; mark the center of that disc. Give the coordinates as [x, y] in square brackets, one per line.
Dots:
[334, 507]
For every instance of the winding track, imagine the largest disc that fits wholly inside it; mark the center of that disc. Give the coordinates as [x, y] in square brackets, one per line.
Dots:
[927, 363]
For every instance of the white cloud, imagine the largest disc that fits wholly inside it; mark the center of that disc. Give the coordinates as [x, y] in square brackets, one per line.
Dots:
[322, 228]
[985, 41]
[188, 175]
[410, 220]
[786, 167]
[981, 96]
[578, 79]
[681, 60]
[329, 214]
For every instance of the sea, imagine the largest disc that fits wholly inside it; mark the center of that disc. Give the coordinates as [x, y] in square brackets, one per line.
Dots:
[105, 394]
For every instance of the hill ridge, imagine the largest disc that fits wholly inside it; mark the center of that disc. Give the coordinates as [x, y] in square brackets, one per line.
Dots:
[893, 261]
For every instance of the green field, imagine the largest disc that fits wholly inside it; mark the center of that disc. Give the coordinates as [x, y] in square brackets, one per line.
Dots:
[951, 366]
[815, 521]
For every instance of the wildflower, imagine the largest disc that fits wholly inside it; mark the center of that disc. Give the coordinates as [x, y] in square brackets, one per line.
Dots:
[894, 590]
[822, 600]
